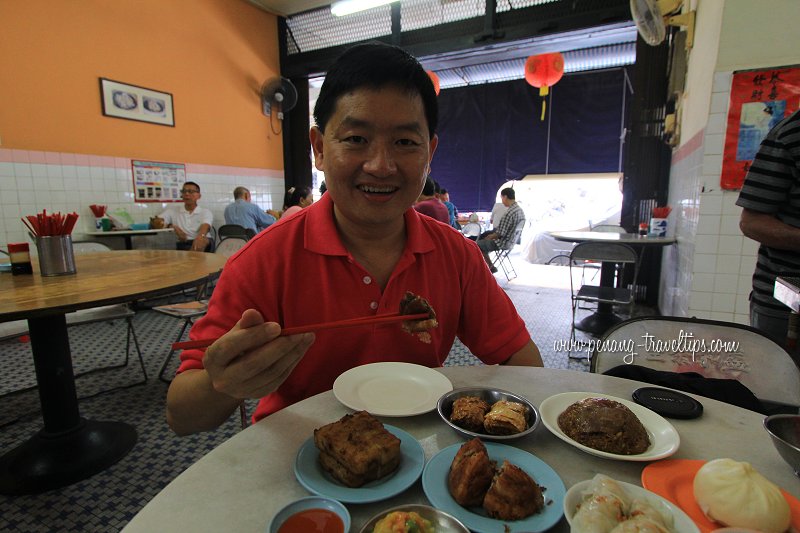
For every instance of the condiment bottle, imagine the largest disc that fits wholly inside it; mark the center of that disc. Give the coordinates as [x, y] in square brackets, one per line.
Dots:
[643, 229]
[20, 255]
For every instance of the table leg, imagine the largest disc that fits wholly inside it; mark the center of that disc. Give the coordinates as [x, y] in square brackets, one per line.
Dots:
[68, 448]
[604, 317]
[128, 242]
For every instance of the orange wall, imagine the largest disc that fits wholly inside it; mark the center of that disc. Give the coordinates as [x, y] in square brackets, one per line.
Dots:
[212, 55]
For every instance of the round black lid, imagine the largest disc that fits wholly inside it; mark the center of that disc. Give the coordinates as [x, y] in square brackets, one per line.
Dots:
[667, 402]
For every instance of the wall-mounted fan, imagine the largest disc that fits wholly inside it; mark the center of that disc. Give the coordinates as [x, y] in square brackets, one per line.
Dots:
[278, 94]
[653, 16]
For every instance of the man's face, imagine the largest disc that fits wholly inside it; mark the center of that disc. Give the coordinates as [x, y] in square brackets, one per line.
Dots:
[505, 200]
[190, 194]
[375, 154]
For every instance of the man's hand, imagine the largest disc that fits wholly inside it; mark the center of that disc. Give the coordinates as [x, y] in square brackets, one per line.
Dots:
[493, 236]
[274, 213]
[199, 244]
[252, 360]
[180, 233]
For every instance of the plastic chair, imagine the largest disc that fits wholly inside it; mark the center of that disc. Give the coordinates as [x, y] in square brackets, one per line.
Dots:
[621, 255]
[711, 348]
[501, 258]
[230, 245]
[227, 231]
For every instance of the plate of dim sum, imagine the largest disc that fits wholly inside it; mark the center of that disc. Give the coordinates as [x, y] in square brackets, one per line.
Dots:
[601, 504]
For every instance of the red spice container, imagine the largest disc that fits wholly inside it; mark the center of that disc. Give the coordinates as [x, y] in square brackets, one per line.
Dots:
[20, 255]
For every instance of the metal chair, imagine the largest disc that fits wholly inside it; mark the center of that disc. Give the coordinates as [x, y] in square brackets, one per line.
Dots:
[711, 348]
[621, 256]
[501, 258]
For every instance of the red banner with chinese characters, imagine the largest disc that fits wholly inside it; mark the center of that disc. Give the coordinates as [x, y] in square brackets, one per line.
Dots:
[759, 100]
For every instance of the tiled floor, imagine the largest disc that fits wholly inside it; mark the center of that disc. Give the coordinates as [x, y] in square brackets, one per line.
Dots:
[108, 500]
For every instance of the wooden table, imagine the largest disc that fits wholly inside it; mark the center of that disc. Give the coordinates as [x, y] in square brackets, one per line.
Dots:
[240, 485]
[604, 317]
[70, 448]
[128, 234]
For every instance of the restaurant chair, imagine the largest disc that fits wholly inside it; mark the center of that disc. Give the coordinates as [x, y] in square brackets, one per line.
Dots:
[227, 231]
[230, 245]
[107, 313]
[501, 258]
[711, 348]
[594, 265]
[622, 256]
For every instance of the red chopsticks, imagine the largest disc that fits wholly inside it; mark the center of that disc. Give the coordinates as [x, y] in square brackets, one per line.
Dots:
[661, 212]
[44, 225]
[98, 210]
[350, 323]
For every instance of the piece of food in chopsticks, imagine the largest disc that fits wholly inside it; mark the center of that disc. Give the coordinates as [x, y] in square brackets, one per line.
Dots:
[471, 473]
[735, 494]
[469, 412]
[513, 494]
[413, 304]
[357, 449]
[505, 418]
[604, 425]
[403, 522]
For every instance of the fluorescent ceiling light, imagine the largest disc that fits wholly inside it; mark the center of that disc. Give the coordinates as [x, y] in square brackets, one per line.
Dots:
[348, 7]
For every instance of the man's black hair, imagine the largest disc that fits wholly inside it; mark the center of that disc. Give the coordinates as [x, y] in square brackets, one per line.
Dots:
[509, 193]
[375, 65]
[430, 188]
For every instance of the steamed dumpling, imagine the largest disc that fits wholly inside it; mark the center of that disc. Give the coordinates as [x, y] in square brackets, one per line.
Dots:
[735, 494]
[640, 524]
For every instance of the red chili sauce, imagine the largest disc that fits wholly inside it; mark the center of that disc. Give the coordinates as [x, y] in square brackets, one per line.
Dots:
[313, 521]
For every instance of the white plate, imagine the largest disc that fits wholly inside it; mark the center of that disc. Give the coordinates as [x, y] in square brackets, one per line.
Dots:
[664, 438]
[391, 389]
[682, 522]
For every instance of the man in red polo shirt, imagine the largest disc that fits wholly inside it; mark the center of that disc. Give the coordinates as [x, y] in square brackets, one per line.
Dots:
[354, 253]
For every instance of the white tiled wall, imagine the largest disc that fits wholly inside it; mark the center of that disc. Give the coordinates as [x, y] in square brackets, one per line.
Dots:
[708, 273]
[31, 181]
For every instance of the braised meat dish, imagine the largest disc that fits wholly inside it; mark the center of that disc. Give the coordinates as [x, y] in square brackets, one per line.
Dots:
[470, 474]
[413, 304]
[604, 425]
[505, 418]
[357, 449]
[468, 413]
[513, 494]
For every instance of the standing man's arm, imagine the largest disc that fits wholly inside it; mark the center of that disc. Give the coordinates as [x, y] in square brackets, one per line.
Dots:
[768, 230]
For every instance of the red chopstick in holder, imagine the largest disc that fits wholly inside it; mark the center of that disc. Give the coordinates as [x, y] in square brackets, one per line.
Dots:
[350, 323]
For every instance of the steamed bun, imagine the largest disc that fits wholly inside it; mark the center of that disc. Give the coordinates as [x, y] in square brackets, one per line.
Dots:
[735, 494]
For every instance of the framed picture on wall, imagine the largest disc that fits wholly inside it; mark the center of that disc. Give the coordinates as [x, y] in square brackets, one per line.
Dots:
[123, 100]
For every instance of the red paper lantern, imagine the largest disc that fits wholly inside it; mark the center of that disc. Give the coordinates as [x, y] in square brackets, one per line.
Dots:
[544, 71]
[435, 80]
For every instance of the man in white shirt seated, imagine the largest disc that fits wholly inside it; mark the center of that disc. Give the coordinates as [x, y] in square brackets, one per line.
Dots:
[247, 214]
[190, 222]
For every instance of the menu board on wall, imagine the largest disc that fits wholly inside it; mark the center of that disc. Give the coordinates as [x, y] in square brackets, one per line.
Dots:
[158, 182]
[759, 100]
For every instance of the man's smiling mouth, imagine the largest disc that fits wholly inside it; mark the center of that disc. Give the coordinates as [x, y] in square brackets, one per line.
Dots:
[371, 189]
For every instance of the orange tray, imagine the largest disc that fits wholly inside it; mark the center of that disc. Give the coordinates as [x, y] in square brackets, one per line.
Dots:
[673, 479]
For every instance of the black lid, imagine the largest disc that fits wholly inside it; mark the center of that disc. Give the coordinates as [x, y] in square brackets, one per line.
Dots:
[667, 402]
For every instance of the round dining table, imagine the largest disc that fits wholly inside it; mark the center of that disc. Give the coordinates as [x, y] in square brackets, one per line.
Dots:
[69, 447]
[603, 318]
[241, 484]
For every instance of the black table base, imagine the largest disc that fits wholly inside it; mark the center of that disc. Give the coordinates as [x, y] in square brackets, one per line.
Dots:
[49, 461]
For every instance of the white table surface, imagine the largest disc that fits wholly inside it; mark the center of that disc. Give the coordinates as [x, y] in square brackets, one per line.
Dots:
[241, 484]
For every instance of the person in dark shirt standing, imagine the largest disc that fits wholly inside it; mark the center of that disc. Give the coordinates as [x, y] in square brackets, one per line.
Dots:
[770, 199]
